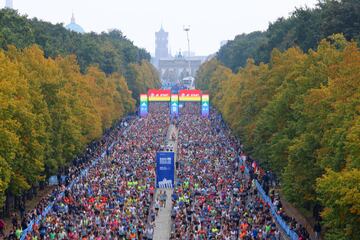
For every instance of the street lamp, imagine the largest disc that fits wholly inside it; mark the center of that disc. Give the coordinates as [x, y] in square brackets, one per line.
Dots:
[187, 29]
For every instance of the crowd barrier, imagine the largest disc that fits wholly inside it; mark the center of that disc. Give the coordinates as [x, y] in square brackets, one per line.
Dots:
[83, 173]
[281, 222]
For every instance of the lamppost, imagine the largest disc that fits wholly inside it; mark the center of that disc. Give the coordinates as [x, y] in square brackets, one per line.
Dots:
[187, 29]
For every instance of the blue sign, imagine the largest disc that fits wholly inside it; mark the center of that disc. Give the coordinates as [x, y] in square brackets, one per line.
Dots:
[165, 169]
[174, 109]
[143, 110]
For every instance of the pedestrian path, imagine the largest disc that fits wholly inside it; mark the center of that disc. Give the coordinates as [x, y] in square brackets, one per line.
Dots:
[163, 220]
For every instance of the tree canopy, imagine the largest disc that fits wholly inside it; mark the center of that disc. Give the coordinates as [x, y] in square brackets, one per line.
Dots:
[298, 115]
[59, 91]
[110, 51]
[304, 28]
[50, 111]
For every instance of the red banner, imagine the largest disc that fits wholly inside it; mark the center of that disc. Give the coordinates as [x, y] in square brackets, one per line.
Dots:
[190, 95]
[161, 95]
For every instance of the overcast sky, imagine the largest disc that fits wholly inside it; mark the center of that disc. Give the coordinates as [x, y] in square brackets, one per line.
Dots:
[211, 21]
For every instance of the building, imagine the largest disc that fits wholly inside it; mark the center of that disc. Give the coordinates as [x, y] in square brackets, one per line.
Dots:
[73, 26]
[173, 69]
[186, 54]
[9, 4]
[161, 44]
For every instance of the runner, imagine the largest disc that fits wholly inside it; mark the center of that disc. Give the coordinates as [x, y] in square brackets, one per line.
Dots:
[214, 200]
[214, 197]
[113, 200]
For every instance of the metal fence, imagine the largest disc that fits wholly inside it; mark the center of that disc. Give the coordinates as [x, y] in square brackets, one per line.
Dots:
[83, 173]
[284, 226]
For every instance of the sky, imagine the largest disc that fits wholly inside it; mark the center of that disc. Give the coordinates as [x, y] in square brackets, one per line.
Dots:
[210, 21]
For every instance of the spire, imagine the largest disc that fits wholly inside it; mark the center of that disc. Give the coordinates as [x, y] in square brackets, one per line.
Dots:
[162, 28]
[73, 18]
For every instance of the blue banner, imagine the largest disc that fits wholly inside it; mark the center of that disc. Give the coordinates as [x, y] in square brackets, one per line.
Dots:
[165, 169]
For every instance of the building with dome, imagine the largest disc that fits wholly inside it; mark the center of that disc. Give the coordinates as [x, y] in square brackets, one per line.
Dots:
[73, 26]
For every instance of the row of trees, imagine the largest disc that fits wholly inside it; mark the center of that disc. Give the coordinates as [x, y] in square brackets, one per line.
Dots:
[59, 90]
[299, 116]
[110, 51]
[49, 112]
[304, 28]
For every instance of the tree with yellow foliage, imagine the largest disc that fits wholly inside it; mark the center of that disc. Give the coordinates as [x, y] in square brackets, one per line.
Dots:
[299, 116]
[49, 112]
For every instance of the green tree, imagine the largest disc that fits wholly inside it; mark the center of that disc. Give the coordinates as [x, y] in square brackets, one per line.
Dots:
[340, 194]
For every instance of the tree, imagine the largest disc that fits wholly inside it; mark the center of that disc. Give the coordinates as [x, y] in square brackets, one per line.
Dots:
[304, 28]
[50, 111]
[298, 115]
[340, 194]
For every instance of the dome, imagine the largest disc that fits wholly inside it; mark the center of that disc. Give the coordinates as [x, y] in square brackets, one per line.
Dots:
[73, 26]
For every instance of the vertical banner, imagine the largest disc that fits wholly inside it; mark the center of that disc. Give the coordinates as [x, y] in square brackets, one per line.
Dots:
[143, 105]
[205, 105]
[165, 169]
[174, 105]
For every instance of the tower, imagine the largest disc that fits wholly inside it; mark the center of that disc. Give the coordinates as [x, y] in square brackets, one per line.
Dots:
[161, 44]
[9, 4]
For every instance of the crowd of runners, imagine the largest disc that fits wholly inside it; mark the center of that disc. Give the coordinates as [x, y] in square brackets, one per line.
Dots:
[65, 177]
[213, 197]
[114, 199]
[268, 182]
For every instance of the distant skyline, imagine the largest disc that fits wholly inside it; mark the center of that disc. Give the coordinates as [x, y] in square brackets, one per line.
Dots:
[211, 21]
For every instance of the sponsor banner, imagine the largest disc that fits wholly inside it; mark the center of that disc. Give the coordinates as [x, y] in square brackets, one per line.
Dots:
[165, 169]
[143, 105]
[190, 95]
[174, 105]
[205, 105]
[159, 95]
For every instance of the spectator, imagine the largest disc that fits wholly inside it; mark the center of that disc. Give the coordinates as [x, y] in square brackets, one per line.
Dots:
[2, 227]
[317, 229]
